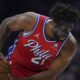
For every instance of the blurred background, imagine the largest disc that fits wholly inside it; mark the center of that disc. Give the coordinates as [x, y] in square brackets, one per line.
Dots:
[12, 7]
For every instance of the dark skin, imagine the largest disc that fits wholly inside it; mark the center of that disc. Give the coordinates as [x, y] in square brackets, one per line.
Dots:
[25, 22]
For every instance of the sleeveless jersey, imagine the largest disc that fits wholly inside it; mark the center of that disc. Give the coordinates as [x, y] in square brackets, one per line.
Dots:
[32, 52]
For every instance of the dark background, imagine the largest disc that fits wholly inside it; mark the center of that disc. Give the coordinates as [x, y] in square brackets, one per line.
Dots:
[12, 7]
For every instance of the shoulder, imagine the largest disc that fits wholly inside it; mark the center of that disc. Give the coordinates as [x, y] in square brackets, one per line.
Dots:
[25, 20]
[71, 41]
[29, 15]
[69, 49]
[29, 19]
[32, 14]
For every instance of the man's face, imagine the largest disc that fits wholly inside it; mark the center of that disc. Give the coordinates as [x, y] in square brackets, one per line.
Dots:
[62, 31]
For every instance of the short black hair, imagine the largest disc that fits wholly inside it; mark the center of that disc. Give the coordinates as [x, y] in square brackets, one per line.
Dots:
[64, 12]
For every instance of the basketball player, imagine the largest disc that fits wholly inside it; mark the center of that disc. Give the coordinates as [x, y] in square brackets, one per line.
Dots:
[45, 46]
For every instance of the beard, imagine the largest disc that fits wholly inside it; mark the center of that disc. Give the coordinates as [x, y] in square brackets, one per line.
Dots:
[59, 38]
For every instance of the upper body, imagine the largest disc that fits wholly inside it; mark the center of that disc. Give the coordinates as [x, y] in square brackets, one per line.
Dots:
[25, 22]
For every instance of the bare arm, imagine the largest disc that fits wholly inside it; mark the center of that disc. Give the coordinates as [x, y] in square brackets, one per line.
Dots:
[4, 33]
[24, 21]
[59, 64]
